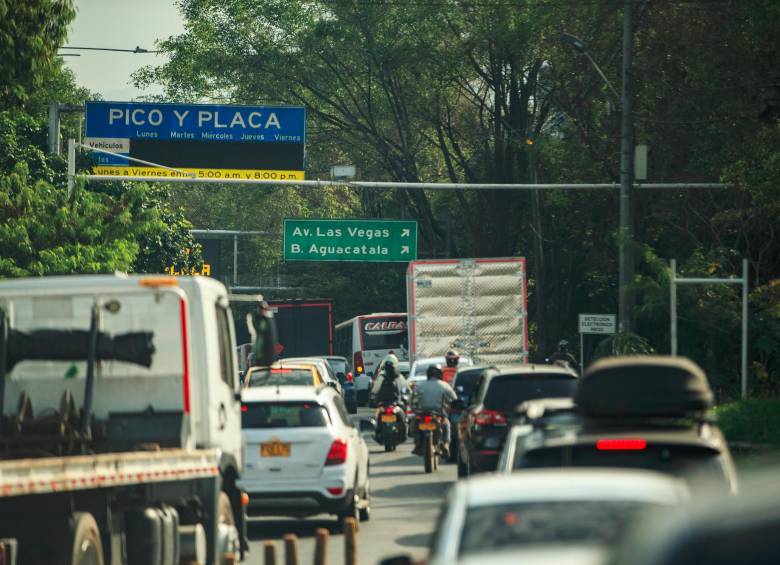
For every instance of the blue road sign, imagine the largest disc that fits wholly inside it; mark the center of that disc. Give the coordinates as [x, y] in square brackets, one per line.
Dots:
[196, 122]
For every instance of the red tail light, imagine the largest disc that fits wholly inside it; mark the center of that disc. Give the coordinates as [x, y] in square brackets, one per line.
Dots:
[427, 418]
[358, 362]
[388, 409]
[335, 491]
[621, 444]
[276, 371]
[338, 453]
[489, 418]
[244, 408]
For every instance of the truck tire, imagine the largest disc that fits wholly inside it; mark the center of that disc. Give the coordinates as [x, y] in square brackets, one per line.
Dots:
[82, 546]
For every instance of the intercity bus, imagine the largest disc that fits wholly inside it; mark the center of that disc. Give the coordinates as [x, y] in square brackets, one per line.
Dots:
[367, 339]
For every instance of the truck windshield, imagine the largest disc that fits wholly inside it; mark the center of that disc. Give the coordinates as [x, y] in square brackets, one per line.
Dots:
[262, 415]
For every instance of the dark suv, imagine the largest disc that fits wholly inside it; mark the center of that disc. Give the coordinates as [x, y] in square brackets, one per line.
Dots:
[465, 383]
[645, 413]
[482, 428]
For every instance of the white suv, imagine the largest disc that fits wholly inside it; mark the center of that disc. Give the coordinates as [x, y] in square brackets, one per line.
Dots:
[303, 454]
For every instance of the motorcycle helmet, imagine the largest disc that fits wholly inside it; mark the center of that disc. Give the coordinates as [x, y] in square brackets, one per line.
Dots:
[563, 345]
[434, 371]
[452, 357]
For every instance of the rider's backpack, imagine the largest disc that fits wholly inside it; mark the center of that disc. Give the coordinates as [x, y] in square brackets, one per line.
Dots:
[387, 392]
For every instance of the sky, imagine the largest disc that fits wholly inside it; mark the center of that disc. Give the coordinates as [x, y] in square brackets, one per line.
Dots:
[119, 24]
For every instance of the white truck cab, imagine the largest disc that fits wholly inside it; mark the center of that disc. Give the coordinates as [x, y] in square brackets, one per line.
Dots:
[164, 379]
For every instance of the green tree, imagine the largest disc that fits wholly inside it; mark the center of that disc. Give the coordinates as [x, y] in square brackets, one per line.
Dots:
[30, 32]
[41, 234]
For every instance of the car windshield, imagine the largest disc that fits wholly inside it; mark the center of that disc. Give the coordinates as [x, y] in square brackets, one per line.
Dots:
[681, 460]
[505, 393]
[283, 376]
[521, 523]
[261, 415]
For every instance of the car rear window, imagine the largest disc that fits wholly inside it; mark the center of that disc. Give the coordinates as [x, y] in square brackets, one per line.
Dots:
[285, 376]
[338, 365]
[686, 461]
[262, 415]
[546, 522]
[468, 380]
[505, 393]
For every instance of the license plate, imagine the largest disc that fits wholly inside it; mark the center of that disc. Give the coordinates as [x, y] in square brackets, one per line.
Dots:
[426, 426]
[275, 449]
[388, 417]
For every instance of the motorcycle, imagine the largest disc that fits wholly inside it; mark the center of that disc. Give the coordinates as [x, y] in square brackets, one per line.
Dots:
[391, 427]
[429, 426]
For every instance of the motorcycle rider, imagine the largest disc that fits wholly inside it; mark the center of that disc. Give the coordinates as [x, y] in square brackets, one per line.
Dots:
[388, 389]
[451, 358]
[564, 357]
[434, 395]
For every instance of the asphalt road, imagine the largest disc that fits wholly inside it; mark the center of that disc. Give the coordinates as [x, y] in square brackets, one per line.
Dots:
[405, 503]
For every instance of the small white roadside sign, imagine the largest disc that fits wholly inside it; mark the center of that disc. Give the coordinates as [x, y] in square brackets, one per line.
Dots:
[597, 323]
[113, 144]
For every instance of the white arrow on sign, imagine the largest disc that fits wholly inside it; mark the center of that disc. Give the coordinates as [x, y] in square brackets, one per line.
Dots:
[404, 249]
[406, 232]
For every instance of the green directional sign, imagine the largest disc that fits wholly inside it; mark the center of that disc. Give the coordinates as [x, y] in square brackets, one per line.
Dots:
[350, 240]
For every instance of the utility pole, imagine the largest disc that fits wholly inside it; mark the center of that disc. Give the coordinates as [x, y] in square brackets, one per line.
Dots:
[626, 232]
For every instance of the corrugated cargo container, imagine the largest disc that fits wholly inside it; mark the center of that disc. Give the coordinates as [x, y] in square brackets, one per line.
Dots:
[477, 306]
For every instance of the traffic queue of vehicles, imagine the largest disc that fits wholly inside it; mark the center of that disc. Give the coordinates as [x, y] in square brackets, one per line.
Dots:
[581, 461]
[127, 436]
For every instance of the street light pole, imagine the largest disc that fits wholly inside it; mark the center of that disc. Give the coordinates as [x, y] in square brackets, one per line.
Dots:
[626, 232]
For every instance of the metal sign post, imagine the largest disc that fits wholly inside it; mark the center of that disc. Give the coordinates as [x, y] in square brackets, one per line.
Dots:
[675, 280]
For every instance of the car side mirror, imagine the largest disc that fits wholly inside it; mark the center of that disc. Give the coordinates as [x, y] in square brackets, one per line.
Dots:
[367, 425]
[237, 396]
[397, 560]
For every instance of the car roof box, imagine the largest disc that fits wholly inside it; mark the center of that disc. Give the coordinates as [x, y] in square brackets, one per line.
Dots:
[644, 386]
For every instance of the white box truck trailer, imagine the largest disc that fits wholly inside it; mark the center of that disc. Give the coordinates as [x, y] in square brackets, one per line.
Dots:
[121, 421]
[477, 306]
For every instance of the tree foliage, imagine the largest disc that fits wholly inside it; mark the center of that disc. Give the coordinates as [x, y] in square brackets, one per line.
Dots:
[485, 92]
[30, 32]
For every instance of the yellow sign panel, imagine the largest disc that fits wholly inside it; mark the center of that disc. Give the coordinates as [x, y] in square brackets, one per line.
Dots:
[203, 271]
[230, 174]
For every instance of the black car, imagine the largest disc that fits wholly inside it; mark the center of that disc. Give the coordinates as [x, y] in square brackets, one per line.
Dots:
[644, 413]
[482, 428]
